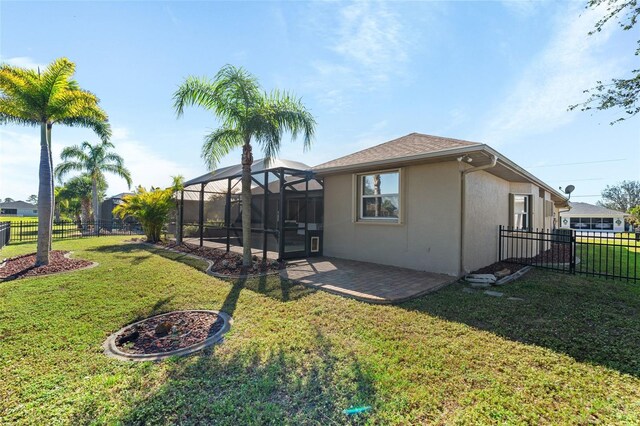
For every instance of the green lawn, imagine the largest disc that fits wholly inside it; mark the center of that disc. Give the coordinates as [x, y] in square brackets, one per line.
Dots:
[13, 219]
[569, 353]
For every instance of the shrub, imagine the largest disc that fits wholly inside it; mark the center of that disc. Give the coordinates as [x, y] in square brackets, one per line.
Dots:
[151, 208]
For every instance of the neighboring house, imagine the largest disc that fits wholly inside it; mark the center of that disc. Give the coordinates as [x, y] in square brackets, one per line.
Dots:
[18, 208]
[109, 203]
[421, 202]
[587, 217]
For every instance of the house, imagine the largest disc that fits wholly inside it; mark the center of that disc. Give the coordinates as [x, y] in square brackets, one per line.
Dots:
[421, 202]
[588, 217]
[18, 208]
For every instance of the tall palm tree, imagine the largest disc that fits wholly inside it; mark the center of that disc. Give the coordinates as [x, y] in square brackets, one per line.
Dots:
[35, 98]
[94, 161]
[77, 194]
[247, 114]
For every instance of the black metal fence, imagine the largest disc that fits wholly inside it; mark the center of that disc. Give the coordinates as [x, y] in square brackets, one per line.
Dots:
[5, 233]
[602, 254]
[21, 231]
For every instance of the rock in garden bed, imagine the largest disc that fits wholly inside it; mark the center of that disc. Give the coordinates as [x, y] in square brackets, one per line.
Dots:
[23, 266]
[164, 334]
[227, 263]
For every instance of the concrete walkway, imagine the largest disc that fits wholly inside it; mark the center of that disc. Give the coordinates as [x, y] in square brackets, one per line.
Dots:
[369, 282]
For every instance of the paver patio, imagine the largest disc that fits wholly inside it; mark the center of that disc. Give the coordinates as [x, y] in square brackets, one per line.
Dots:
[369, 282]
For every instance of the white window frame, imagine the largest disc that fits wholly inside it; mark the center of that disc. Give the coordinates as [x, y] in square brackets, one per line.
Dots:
[528, 199]
[359, 196]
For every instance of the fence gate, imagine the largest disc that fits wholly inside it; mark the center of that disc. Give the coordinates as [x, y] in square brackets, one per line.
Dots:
[602, 254]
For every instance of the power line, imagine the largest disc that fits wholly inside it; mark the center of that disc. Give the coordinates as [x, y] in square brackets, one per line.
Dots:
[577, 164]
[577, 180]
[581, 196]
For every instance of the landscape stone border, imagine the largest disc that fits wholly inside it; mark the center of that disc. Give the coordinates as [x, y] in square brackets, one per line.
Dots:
[209, 270]
[67, 256]
[111, 350]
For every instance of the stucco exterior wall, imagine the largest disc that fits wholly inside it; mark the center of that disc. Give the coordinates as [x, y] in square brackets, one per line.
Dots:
[428, 237]
[486, 208]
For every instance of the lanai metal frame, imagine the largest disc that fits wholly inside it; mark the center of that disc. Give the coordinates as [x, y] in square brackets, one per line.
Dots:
[273, 184]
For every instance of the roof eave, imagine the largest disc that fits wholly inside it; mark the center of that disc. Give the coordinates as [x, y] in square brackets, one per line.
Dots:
[559, 199]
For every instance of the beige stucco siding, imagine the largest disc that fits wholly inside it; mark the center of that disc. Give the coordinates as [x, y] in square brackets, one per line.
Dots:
[428, 237]
[487, 207]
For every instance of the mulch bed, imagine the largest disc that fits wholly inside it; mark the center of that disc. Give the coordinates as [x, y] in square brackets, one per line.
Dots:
[226, 263]
[499, 266]
[23, 266]
[558, 254]
[168, 332]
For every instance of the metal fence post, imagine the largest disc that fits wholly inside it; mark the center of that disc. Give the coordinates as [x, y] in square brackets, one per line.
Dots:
[572, 253]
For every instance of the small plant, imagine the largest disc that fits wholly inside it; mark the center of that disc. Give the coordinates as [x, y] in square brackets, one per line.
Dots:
[151, 208]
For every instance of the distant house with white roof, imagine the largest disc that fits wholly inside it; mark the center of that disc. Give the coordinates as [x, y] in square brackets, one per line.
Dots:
[589, 217]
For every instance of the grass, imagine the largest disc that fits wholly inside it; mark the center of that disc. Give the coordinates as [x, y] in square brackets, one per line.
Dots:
[13, 219]
[566, 354]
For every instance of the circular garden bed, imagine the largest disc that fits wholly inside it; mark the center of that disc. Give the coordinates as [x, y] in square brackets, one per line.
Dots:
[24, 266]
[171, 334]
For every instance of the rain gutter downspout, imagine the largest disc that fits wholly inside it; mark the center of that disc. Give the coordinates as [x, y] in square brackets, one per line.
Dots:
[463, 174]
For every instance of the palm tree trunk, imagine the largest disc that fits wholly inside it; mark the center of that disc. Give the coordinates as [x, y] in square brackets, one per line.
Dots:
[96, 208]
[44, 200]
[53, 194]
[247, 160]
[84, 212]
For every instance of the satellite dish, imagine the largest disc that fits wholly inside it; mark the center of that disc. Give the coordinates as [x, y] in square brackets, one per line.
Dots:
[569, 189]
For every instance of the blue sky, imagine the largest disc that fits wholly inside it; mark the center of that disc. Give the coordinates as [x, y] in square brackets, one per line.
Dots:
[502, 73]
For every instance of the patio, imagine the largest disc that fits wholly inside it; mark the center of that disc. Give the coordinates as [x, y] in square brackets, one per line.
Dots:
[364, 281]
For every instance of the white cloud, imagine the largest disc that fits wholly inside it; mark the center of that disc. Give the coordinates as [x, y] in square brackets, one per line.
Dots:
[24, 62]
[147, 167]
[555, 79]
[368, 46]
[19, 160]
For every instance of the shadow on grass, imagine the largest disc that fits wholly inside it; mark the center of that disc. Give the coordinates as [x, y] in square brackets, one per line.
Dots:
[272, 286]
[591, 320]
[258, 385]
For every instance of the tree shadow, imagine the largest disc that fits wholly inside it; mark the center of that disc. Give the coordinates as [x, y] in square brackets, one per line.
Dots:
[589, 319]
[259, 384]
[131, 252]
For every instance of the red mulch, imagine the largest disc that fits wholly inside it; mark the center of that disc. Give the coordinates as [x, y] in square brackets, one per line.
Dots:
[226, 263]
[499, 266]
[23, 266]
[184, 329]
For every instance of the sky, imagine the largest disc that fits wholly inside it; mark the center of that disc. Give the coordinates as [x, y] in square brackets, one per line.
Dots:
[501, 73]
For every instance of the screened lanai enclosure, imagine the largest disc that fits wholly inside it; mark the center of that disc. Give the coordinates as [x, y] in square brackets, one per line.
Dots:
[286, 210]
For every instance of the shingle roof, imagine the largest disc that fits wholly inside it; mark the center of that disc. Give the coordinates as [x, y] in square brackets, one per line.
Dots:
[18, 205]
[406, 146]
[591, 210]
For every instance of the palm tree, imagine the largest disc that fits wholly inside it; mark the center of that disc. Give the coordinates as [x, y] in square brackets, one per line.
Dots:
[35, 98]
[150, 208]
[77, 194]
[93, 160]
[247, 114]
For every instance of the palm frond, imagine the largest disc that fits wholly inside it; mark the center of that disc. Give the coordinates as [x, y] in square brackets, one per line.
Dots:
[219, 143]
[74, 152]
[101, 128]
[56, 77]
[118, 170]
[64, 168]
[197, 91]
